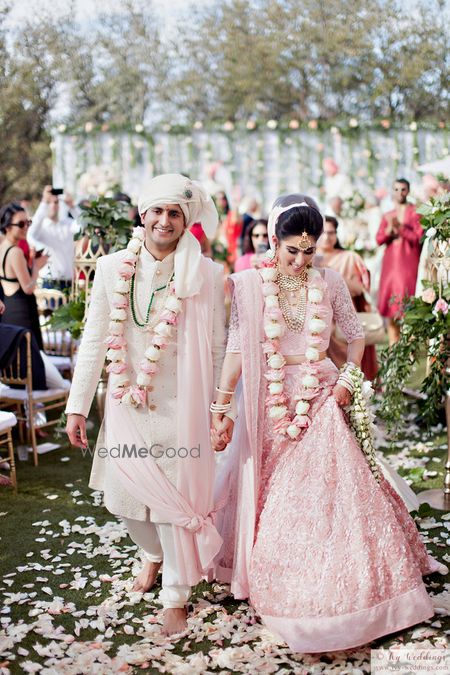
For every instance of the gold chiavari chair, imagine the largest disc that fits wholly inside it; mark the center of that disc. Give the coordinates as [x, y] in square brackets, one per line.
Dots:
[26, 401]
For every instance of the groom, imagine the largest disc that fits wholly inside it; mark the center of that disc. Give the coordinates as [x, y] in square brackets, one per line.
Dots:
[158, 306]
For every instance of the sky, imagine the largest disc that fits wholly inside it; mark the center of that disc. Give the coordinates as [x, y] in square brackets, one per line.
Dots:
[168, 10]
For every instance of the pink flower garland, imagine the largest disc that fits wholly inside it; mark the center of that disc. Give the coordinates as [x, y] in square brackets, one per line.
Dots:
[123, 391]
[276, 400]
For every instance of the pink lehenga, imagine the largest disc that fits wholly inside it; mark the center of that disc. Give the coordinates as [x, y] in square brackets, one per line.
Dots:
[328, 556]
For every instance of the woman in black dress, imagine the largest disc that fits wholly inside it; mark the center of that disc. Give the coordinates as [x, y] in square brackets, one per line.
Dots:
[17, 279]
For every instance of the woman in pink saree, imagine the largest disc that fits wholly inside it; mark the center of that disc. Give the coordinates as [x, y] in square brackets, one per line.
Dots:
[313, 534]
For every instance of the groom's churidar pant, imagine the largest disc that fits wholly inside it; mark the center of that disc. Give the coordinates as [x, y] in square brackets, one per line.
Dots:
[156, 540]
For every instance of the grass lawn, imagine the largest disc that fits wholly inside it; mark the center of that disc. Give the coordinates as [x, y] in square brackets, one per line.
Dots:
[66, 565]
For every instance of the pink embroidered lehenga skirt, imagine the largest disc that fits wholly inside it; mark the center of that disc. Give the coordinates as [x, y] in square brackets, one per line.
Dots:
[337, 560]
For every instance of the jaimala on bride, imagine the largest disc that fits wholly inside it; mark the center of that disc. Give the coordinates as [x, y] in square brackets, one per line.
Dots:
[162, 329]
[311, 287]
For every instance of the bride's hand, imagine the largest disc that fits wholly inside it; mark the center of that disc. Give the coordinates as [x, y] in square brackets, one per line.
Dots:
[221, 431]
[342, 396]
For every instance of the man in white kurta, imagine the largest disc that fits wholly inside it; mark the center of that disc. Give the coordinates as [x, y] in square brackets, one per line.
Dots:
[169, 253]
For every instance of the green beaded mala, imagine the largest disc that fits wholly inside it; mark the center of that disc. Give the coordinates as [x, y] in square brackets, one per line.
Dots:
[133, 307]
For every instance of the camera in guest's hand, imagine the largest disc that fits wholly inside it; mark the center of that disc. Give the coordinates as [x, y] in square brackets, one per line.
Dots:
[56, 192]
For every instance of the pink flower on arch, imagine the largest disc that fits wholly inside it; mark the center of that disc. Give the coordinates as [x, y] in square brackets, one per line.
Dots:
[441, 306]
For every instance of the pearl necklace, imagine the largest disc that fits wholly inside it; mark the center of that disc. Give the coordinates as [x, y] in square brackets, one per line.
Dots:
[287, 283]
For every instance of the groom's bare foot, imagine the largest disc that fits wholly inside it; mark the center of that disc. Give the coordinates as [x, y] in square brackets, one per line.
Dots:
[174, 621]
[146, 578]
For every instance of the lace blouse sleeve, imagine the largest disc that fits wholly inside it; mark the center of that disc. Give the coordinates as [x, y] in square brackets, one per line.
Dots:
[344, 312]
[234, 343]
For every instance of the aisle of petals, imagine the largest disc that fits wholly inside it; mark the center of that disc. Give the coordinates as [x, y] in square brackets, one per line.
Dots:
[80, 619]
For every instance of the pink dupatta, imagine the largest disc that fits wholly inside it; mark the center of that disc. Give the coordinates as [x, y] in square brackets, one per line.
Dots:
[237, 485]
[189, 505]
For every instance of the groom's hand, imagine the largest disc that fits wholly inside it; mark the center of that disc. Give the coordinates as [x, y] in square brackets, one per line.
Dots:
[221, 432]
[76, 430]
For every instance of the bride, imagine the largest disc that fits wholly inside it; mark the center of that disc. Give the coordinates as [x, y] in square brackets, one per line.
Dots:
[313, 533]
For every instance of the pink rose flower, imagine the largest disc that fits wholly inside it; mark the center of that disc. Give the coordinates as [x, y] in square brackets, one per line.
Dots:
[441, 306]
[273, 313]
[148, 367]
[429, 295]
[271, 346]
[301, 420]
[169, 317]
[126, 271]
[159, 341]
[275, 375]
[120, 304]
[115, 341]
[280, 427]
[116, 367]
[118, 393]
[276, 399]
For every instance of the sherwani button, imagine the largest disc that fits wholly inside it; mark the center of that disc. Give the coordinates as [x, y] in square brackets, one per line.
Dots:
[152, 407]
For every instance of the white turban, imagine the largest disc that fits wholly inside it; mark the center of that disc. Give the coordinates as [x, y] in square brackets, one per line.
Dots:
[196, 204]
[198, 207]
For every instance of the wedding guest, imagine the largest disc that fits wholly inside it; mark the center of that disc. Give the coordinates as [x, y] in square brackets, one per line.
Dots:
[256, 243]
[351, 267]
[55, 233]
[18, 282]
[401, 231]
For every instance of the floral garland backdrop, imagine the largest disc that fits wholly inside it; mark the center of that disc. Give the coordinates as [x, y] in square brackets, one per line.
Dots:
[262, 162]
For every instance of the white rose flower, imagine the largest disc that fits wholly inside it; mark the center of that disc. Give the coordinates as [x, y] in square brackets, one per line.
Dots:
[134, 245]
[163, 329]
[312, 354]
[315, 295]
[173, 304]
[118, 315]
[122, 286]
[292, 431]
[126, 399]
[313, 274]
[116, 327]
[119, 379]
[117, 297]
[367, 389]
[116, 355]
[302, 407]
[276, 361]
[143, 379]
[271, 301]
[276, 387]
[268, 273]
[276, 412]
[431, 232]
[273, 330]
[152, 353]
[310, 381]
[138, 233]
[317, 325]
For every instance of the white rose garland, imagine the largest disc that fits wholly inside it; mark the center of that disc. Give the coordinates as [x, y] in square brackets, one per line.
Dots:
[286, 423]
[123, 391]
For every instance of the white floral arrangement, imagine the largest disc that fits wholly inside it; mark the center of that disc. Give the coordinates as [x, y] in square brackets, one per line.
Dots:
[98, 180]
[361, 418]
